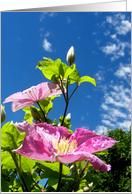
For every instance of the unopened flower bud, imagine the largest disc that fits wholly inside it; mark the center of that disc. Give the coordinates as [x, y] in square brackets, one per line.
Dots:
[68, 117]
[85, 189]
[35, 114]
[70, 55]
[3, 114]
[90, 185]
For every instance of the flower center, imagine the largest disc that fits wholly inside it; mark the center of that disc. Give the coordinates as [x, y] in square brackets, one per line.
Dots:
[63, 146]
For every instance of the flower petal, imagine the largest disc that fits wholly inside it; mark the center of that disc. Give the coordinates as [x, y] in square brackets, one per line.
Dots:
[96, 144]
[32, 95]
[80, 156]
[34, 149]
[81, 135]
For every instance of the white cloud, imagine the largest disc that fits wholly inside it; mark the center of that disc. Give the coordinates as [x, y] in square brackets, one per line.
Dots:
[47, 45]
[124, 71]
[42, 16]
[109, 49]
[109, 19]
[99, 76]
[94, 33]
[97, 41]
[116, 107]
[82, 118]
[124, 27]
[88, 96]
[113, 36]
[125, 125]
[116, 49]
[119, 23]
[100, 129]
[107, 33]
[52, 14]
[68, 19]
[47, 34]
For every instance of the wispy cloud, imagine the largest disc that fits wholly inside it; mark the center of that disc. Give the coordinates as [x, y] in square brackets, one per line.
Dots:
[120, 25]
[116, 49]
[47, 45]
[82, 118]
[46, 34]
[68, 19]
[124, 27]
[124, 71]
[107, 32]
[116, 102]
[99, 76]
[43, 15]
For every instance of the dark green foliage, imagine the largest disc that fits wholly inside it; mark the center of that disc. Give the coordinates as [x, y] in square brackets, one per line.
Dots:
[119, 157]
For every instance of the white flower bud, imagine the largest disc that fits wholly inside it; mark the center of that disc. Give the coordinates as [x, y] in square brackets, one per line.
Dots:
[68, 117]
[3, 114]
[70, 55]
[85, 189]
[90, 185]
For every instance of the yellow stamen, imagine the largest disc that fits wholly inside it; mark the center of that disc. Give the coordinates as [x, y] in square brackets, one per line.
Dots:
[63, 146]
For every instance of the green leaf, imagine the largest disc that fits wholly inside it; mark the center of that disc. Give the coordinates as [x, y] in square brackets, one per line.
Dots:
[4, 185]
[37, 189]
[6, 160]
[103, 152]
[53, 182]
[46, 105]
[66, 123]
[27, 164]
[28, 180]
[45, 63]
[69, 70]
[28, 116]
[51, 69]
[74, 77]
[52, 169]
[11, 138]
[87, 79]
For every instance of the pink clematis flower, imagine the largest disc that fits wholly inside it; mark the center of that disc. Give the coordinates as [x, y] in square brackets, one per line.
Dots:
[45, 142]
[33, 95]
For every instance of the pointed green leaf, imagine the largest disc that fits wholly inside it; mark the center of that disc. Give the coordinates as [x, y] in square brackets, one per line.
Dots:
[52, 168]
[11, 138]
[45, 63]
[53, 182]
[69, 70]
[28, 116]
[74, 77]
[6, 160]
[87, 79]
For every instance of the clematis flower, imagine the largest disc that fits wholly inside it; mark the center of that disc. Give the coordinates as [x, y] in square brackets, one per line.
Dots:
[33, 95]
[45, 142]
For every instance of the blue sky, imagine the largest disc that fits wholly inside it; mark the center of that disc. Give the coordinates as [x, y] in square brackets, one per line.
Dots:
[102, 43]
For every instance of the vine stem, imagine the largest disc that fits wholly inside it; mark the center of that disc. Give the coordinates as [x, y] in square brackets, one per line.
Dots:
[60, 175]
[77, 184]
[19, 172]
[42, 112]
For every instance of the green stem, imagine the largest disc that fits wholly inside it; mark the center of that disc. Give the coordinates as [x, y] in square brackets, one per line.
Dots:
[60, 175]
[42, 112]
[73, 91]
[79, 179]
[19, 171]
